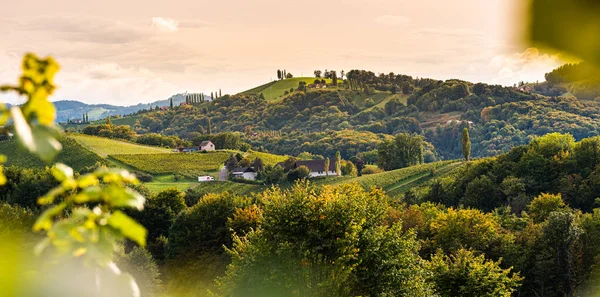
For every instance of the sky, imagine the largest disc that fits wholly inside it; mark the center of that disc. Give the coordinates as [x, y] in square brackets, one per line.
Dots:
[138, 51]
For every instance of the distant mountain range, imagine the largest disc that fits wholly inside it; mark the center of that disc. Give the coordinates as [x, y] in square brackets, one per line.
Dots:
[71, 109]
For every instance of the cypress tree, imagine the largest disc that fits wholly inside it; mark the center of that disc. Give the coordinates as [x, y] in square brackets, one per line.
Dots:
[220, 93]
[212, 96]
[208, 127]
[466, 144]
[327, 162]
[171, 103]
[278, 74]
[338, 163]
[87, 118]
[83, 116]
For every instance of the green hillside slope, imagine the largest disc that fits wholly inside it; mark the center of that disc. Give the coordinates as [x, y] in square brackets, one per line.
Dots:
[72, 154]
[104, 146]
[276, 89]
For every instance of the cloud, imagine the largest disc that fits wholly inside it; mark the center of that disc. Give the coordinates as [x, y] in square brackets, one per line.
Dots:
[86, 29]
[451, 32]
[391, 20]
[528, 66]
[165, 24]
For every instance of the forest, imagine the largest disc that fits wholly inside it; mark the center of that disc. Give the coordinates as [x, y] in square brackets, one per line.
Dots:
[356, 115]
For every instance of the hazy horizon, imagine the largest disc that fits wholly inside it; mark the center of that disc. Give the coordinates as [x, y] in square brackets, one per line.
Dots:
[124, 53]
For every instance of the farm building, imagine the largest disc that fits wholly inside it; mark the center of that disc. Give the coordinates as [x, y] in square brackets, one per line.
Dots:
[207, 145]
[245, 173]
[316, 167]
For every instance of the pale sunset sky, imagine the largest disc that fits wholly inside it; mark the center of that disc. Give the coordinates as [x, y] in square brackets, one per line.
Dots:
[130, 51]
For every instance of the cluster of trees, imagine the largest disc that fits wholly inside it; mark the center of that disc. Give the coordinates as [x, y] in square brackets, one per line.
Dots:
[403, 151]
[110, 130]
[569, 73]
[283, 74]
[125, 132]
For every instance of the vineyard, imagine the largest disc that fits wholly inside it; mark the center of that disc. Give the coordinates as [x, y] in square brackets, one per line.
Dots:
[193, 164]
[72, 154]
[389, 180]
[105, 146]
[268, 159]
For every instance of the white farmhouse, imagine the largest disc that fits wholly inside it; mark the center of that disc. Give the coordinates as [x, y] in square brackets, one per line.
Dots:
[207, 145]
[245, 173]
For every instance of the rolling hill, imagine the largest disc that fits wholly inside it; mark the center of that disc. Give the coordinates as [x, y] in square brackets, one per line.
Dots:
[72, 154]
[104, 146]
[276, 89]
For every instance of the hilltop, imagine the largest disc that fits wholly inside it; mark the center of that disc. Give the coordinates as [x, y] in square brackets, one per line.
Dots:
[277, 89]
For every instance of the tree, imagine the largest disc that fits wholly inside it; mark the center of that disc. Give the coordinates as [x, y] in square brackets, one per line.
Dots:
[220, 93]
[289, 75]
[348, 169]
[298, 173]
[404, 150]
[465, 274]
[318, 73]
[208, 127]
[302, 86]
[327, 162]
[258, 164]
[543, 205]
[171, 103]
[231, 163]
[334, 77]
[279, 74]
[338, 163]
[325, 242]
[359, 163]
[108, 121]
[466, 144]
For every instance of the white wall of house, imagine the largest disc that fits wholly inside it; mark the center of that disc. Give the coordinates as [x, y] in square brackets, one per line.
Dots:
[246, 175]
[321, 173]
[208, 147]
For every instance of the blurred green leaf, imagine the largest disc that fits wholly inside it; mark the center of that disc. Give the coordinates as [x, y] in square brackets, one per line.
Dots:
[128, 227]
[124, 197]
[46, 219]
[40, 140]
[569, 26]
[62, 172]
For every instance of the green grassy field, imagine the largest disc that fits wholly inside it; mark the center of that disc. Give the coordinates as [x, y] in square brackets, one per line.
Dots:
[276, 89]
[104, 146]
[72, 154]
[166, 181]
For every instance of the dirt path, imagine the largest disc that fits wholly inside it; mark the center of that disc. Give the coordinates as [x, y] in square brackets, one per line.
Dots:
[223, 174]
